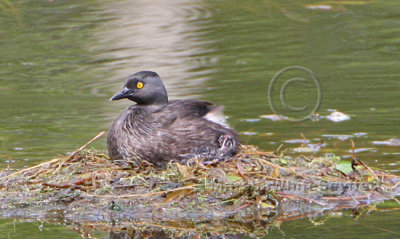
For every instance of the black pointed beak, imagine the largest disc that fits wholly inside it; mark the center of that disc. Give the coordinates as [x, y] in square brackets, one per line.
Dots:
[125, 93]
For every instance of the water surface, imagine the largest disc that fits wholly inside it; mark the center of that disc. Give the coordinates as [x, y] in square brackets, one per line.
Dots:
[61, 61]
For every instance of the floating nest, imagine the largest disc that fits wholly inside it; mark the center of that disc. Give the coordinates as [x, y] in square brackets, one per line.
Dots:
[87, 189]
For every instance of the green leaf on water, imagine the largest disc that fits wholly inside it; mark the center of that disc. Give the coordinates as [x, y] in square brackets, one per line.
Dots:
[344, 166]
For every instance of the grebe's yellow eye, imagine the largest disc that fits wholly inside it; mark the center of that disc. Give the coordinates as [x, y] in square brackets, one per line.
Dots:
[139, 85]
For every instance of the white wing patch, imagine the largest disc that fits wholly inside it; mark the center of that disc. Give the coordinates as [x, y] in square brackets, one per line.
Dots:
[217, 116]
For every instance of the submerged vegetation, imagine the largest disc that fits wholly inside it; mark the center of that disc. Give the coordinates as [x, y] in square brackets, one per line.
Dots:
[254, 187]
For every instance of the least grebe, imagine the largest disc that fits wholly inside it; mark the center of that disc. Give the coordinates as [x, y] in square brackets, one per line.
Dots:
[160, 131]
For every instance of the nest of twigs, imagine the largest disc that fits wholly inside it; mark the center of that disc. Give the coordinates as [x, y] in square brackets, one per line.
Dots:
[90, 190]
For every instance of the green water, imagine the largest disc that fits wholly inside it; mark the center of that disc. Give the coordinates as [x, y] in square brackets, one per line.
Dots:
[61, 61]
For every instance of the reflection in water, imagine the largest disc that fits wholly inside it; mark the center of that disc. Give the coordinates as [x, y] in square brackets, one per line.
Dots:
[161, 36]
[46, 108]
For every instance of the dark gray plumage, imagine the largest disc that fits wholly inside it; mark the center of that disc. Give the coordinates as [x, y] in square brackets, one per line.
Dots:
[159, 131]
